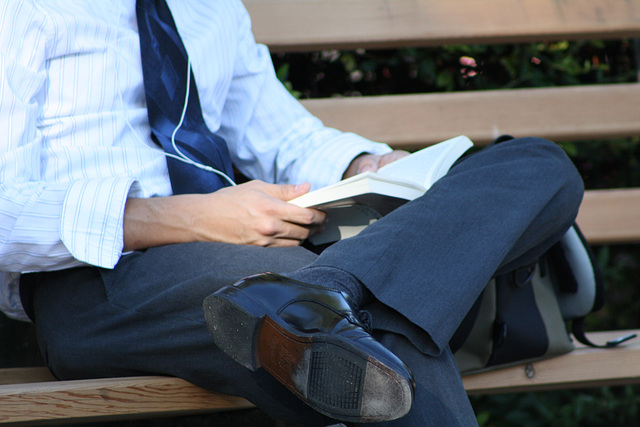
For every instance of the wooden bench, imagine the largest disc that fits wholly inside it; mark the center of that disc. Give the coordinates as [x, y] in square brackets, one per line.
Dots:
[33, 395]
[558, 113]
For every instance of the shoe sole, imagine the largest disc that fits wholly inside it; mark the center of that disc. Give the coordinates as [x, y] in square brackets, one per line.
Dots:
[329, 373]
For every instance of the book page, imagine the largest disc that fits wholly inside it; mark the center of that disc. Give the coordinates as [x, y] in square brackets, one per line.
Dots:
[343, 192]
[406, 178]
[426, 166]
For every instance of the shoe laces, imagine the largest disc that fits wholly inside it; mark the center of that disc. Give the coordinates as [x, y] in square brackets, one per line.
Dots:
[364, 318]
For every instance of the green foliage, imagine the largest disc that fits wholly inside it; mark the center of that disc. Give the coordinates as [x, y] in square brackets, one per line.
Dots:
[568, 408]
[613, 163]
[447, 68]
[620, 266]
[283, 75]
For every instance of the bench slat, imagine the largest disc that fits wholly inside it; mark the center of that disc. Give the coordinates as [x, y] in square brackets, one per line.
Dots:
[109, 398]
[300, 25]
[611, 216]
[559, 114]
[582, 368]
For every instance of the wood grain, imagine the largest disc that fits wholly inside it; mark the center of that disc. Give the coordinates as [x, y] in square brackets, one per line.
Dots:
[611, 216]
[286, 25]
[584, 367]
[559, 114]
[109, 398]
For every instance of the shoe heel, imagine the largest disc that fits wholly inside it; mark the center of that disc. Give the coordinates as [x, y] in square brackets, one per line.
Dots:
[326, 376]
[233, 326]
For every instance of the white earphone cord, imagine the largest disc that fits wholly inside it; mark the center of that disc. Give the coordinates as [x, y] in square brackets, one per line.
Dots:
[181, 156]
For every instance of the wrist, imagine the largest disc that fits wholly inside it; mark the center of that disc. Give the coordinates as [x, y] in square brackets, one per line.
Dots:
[157, 221]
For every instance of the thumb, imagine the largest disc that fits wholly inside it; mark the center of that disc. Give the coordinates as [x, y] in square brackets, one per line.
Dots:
[287, 192]
[367, 163]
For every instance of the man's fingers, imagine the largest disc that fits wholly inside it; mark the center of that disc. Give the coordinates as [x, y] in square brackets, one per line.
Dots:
[273, 218]
[295, 232]
[304, 216]
[286, 192]
[292, 213]
[288, 234]
[372, 162]
[367, 162]
[392, 157]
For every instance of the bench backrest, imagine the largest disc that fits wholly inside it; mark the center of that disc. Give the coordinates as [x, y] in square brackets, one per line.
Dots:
[412, 121]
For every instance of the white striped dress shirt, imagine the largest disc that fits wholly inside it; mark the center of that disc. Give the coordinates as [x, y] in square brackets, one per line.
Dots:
[74, 135]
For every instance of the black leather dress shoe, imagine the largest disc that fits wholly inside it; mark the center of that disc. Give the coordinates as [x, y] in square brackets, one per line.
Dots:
[311, 340]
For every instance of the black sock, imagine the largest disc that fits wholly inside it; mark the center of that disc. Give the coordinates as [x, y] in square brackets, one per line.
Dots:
[334, 278]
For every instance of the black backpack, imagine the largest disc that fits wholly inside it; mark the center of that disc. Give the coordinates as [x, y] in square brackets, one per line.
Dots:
[528, 314]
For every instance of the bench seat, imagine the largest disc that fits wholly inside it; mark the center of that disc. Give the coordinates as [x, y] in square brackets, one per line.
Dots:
[33, 395]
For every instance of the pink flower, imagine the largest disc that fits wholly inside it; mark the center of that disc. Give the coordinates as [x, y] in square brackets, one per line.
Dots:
[468, 61]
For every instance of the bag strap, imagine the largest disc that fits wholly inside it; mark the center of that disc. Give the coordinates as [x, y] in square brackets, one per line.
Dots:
[577, 329]
[599, 301]
[577, 325]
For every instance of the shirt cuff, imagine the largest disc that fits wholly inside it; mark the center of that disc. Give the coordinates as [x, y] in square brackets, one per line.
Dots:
[331, 159]
[350, 146]
[92, 220]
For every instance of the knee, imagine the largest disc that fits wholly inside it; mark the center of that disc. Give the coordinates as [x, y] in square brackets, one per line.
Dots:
[546, 166]
[549, 162]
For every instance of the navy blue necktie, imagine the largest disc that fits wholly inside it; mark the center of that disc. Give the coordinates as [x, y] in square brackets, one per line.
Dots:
[164, 66]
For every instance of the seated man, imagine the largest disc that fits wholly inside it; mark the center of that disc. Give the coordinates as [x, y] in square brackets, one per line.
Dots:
[112, 238]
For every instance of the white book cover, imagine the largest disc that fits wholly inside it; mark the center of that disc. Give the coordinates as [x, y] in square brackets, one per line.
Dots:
[355, 202]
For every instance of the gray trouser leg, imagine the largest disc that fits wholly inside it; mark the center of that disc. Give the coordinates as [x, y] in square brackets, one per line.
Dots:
[425, 263]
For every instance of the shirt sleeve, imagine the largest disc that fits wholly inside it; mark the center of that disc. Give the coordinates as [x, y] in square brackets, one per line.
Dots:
[46, 223]
[271, 136]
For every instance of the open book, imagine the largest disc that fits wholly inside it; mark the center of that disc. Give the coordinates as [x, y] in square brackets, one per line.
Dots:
[356, 202]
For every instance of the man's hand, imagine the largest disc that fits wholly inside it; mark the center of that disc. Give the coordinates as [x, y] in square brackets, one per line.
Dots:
[371, 162]
[254, 213]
